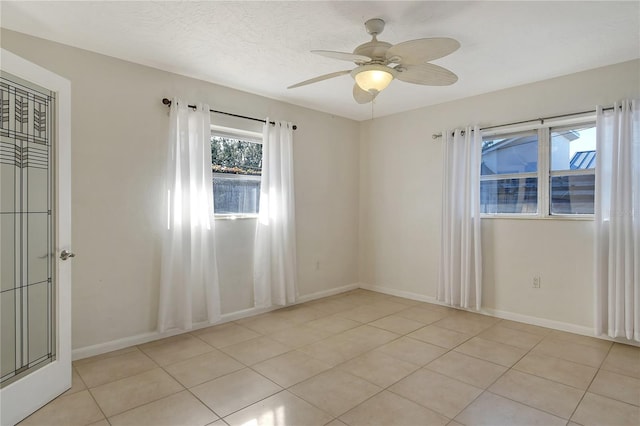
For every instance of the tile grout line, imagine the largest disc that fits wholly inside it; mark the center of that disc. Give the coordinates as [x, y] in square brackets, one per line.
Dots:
[98, 405]
[91, 395]
[148, 402]
[287, 389]
[134, 375]
[530, 406]
[188, 389]
[245, 366]
[203, 403]
[554, 380]
[591, 382]
[511, 368]
[89, 389]
[486, 389]
[382, 389]
[387, 388]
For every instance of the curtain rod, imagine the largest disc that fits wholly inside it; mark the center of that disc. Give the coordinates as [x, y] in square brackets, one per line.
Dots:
[541, 120]
[167, 102]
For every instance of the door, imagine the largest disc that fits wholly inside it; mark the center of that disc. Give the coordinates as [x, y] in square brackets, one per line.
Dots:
[35, 310]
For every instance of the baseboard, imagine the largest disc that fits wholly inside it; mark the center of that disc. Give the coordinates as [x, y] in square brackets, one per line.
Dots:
[527, 319]
[541, 322]
[139, 339]
[327, 293]
[399, 293]
[114, 345]
[232, 316]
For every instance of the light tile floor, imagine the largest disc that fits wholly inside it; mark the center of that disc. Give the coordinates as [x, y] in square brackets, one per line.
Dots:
[359, 358]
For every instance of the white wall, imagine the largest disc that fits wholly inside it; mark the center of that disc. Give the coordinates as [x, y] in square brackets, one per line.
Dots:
[400, 203]
[119, 129]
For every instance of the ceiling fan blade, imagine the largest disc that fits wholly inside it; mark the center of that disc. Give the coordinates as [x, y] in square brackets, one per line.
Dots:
[421, 50]
[426, 74]
[320, 78]
[343, 56]
[362, 96]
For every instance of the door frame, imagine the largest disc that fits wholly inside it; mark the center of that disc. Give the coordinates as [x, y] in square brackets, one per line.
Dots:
[24, 396]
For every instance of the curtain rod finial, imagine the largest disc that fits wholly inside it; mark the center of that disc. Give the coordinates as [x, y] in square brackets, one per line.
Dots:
[166, 101]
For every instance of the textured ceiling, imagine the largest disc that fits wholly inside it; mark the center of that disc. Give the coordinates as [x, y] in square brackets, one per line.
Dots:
[263, 47]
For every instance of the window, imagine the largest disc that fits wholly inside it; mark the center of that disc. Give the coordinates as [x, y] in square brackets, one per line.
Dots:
[572, 170]
[236, 163]
[509, 174]
[539, 173]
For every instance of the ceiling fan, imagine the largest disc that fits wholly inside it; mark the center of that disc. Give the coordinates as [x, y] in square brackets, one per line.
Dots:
[379, 62]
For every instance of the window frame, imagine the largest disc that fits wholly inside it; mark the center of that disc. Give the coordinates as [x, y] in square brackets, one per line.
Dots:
[245, 135]
[544, 173]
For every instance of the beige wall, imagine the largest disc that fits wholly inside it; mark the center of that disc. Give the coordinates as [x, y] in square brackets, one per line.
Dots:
[400, 203]
[367, 195]
[119, 129]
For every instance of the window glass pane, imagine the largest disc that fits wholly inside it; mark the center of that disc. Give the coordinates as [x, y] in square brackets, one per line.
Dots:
[236, 166]
[236, 156]
[509, 196]
[512, 154]
[572, 194]
[573, 148]
[236, 194]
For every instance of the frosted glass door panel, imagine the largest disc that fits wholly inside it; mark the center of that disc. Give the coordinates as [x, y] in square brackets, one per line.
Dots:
[37, 198]
[8, 330]
[7, 181]
[8, 194]
[26, 233]
[38, 320]
[37, 247]
[7, 252]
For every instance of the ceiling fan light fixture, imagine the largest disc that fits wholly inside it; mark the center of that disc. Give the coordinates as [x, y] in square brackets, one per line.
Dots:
[378, 63]
[373, 78]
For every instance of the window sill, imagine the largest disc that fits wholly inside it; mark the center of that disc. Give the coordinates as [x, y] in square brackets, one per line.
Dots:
[235, 216]
[538, 217]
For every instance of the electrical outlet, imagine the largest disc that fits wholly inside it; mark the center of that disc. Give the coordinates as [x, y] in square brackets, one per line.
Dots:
[536, 282]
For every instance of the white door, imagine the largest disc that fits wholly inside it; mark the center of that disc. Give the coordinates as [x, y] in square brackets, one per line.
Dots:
[35, 229]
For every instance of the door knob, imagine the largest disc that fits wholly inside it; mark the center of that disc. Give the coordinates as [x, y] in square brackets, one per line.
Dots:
[65, 254]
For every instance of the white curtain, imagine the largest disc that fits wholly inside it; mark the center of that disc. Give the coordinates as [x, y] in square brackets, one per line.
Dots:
[617, 221]
[189, 277]
[460, 281]
[275, 244]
